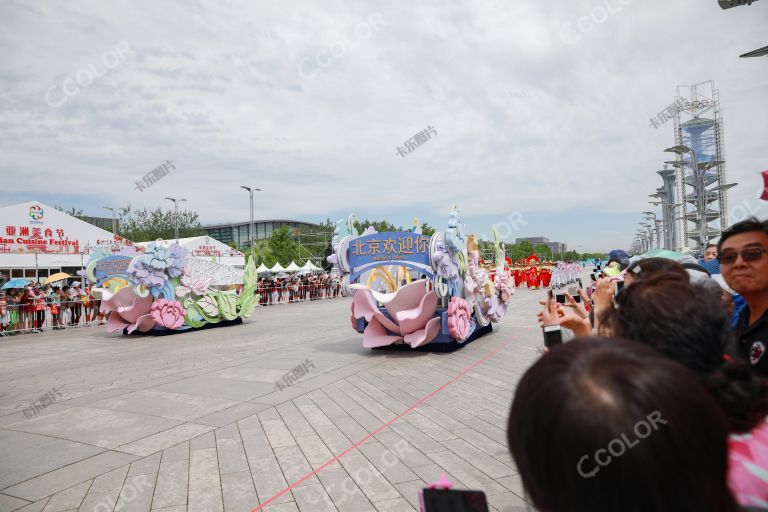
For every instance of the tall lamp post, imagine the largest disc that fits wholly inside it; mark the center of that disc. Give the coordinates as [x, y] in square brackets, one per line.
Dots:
[113, 210]
[650, 234]
[175, 215]
[251, 238]
[656, 223]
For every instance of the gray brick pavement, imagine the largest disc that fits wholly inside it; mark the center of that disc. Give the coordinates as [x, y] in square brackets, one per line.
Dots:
[195, 422]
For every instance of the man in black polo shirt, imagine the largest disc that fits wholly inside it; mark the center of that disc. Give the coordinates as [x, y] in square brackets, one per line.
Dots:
[743, 255]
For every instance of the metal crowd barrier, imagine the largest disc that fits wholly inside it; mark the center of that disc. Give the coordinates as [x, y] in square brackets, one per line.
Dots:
[55, 314]
[287, 293]
[33, 317]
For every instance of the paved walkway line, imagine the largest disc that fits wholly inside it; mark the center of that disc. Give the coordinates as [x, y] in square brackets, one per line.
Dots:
[382, 427]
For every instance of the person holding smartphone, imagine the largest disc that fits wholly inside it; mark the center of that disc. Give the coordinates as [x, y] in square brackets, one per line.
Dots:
[550, 322]
[554, 317]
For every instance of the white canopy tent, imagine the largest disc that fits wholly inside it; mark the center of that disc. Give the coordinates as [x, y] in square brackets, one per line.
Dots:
[293, 267]
[205, 248]
[262, 269]
[277, 268]
[309, 267]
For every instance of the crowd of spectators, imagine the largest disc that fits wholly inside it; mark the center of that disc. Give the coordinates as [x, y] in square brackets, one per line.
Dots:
[660, 401]
[37, 307]
[297, 288]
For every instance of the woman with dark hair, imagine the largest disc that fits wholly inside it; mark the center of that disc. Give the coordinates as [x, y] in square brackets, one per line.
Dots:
[688, 324]
[611, 425]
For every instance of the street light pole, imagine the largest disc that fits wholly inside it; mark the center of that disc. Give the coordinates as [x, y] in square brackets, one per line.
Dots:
[113, 217]
[175, 215]
[656, 222]
[113, 210]
[251, 236]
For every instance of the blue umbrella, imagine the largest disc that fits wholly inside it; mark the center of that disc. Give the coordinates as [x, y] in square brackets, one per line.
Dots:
[16, 283]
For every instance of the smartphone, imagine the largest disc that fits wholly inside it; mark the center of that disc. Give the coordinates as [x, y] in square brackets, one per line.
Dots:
[450, 500]
[560, 298]
[552, 338]
[549, 294]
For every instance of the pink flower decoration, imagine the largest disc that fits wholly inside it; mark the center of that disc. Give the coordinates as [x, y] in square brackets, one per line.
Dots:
[168, 313]
[127, 310]
[411, 315]
[458, 318]
[198, 285]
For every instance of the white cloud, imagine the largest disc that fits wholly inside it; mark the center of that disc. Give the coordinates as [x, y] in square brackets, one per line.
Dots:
[310, 100]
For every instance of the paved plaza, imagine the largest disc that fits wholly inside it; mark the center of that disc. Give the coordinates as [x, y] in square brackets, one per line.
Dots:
[195, 422]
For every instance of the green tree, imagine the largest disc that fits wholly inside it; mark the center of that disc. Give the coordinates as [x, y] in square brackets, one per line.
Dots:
[543, 251]
[74, 212]
[379, 225]
[263, 253]
[146, 225]
[426, 229]
[572, 256]
[282, 246]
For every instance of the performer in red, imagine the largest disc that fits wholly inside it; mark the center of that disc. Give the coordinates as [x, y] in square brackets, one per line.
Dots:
[533, 274]
[546, 276]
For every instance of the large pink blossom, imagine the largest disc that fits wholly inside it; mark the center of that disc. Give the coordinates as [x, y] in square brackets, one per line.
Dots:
[411, 315]
[459, 318]
[127, 310]
[168, 313]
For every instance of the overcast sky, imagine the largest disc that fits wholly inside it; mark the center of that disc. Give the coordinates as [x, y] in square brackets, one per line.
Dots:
[534, 111]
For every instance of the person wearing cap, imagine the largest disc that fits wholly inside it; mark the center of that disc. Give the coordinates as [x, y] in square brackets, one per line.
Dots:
[744, 264]
[54, 300]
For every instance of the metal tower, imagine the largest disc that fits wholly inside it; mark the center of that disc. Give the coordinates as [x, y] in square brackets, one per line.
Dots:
[700, 163]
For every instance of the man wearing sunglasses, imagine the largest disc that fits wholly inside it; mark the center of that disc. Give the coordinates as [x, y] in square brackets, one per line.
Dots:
[742, 252]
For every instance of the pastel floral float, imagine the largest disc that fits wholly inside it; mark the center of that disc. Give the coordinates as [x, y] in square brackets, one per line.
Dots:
[420, 291]
[162, 289]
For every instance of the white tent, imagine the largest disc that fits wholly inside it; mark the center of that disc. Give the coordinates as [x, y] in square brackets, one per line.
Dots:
[262, 269]
[309, 267]
[293, 267]
[277, 268]
[59, 240]
[206, 248]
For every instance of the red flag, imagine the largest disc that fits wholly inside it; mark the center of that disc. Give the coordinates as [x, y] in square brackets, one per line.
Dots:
[764, 197]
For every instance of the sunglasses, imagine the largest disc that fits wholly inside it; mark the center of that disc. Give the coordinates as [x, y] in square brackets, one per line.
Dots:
[751, 254]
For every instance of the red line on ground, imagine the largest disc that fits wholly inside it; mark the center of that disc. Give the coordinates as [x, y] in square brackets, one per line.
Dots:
[385, 425]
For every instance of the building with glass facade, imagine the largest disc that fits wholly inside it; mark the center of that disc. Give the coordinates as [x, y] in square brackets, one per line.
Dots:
[238, 231]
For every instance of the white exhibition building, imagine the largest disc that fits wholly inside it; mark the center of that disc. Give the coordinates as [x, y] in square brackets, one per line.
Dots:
[36, 241]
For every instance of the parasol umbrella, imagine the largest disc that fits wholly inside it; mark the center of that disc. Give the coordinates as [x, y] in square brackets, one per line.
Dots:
[663, 253]
[57, 277]
[16, 283]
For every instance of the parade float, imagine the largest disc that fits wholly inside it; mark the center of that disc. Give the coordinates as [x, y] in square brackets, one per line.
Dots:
[416, 291]
[161, 290]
